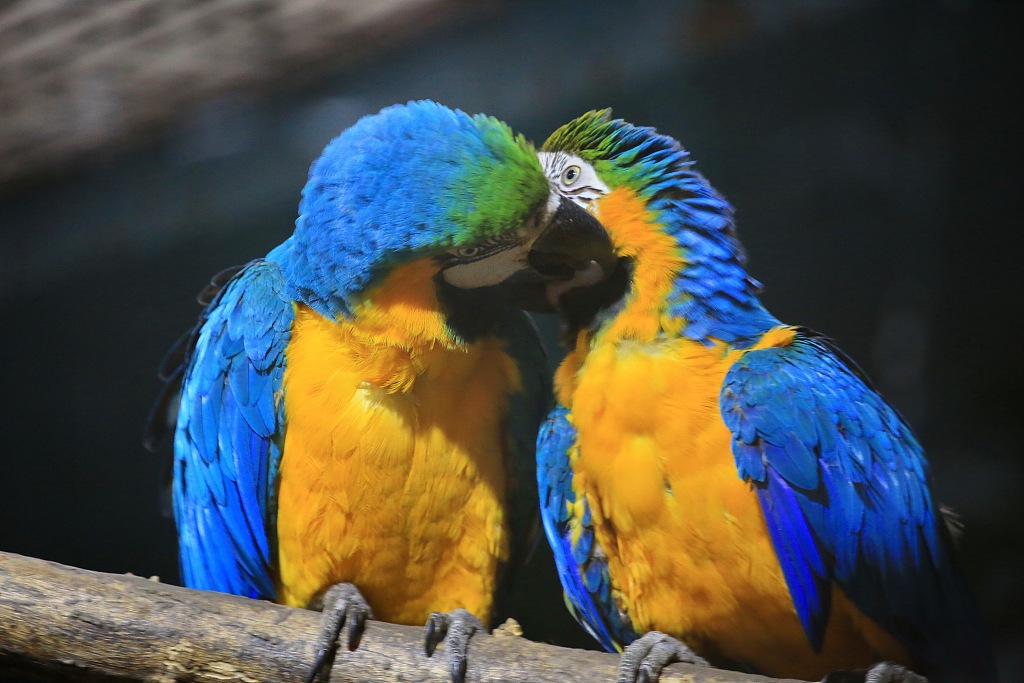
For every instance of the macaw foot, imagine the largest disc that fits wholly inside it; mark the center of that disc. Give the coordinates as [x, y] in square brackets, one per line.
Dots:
[341, 603]
[883, 672]
[644, 658]
[455, 628]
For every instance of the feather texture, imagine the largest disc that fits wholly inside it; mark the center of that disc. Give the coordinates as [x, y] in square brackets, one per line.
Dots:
[229, 436]
[741, 485]
[412, 180]
[398, 473]
[844, 487]
[581, 561]
[335, 424]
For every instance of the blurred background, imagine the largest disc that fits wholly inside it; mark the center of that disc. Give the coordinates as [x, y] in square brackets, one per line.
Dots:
[872, 149]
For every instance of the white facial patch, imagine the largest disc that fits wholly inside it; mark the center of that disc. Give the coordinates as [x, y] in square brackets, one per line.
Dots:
[572, 177]
[491, 270]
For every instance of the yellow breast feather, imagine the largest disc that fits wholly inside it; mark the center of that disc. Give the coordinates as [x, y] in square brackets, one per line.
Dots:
[391, 476]
[689, 552]
[688, 549]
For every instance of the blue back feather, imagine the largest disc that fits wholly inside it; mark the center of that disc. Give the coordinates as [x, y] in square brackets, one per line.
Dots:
[842, 481]
[229, 435]
[582, 565]
[844, 488]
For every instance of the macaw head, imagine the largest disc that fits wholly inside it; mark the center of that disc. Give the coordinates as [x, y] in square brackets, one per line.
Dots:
[459, 204]
[680, 263]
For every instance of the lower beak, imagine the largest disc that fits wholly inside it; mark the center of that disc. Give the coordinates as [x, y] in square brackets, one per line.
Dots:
[573, 251]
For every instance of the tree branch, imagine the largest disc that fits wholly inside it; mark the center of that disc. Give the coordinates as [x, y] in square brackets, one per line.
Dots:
[62, 623]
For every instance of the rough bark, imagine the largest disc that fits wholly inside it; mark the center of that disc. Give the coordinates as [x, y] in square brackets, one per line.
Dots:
[68, 624]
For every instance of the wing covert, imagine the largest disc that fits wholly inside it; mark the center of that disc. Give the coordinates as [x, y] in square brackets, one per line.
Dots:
[582, 563]
[229, 433]
[843, 485]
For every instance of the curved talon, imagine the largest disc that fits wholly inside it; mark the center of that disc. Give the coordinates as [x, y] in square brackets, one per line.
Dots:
[644, 659]
[455, 628]
[437, 629]
[341, 603]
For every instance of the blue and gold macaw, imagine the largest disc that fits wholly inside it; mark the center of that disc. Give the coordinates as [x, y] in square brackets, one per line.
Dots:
[714, 474]
[360, 407]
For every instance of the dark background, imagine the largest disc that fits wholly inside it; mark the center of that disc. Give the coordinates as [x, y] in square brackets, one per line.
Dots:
[873, 151]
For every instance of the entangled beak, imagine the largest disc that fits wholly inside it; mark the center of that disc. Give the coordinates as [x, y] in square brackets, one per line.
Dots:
[573, 250]
[574, 243]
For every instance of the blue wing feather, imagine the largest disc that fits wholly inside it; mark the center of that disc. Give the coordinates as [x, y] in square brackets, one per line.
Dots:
[582, 564]
[844, 488]
[229, 433]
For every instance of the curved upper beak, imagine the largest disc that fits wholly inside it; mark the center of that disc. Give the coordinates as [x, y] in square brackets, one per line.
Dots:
[574, 242]
[572, 250]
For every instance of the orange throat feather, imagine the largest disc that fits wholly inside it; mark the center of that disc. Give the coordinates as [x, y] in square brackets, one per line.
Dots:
[687, 545]
[391, 476]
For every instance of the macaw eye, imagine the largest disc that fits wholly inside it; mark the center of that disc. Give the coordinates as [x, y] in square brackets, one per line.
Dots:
[484, 248]
[571, 174]
[467, 252]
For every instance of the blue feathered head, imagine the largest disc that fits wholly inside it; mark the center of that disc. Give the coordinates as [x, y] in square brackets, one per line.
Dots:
[421, 180]
[677, 237]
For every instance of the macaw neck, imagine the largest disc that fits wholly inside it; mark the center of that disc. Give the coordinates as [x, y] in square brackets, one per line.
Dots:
[687, 278]
[325, 281]
[402, 310]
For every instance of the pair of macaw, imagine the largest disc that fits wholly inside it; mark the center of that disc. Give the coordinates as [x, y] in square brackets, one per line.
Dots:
[359, 417]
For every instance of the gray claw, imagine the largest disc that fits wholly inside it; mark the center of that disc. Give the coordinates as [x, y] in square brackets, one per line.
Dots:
[455, 628]
[883, 672]
[643, 659]
[889, 672]
[341, 603]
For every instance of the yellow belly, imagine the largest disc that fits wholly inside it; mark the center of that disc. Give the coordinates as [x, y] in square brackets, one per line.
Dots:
[391, 476]
[689, 552]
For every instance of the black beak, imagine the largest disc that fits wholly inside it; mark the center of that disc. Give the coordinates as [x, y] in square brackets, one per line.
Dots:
[573, 251]
[574, 241]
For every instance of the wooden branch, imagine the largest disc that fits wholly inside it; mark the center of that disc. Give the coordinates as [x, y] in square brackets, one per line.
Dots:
[67, 624]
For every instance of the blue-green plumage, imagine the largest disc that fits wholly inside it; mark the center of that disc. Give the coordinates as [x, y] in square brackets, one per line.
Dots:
[229, 436]
[841, 480]
[713, 291]
[413, 179]
[416, 182]
[582, 564]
